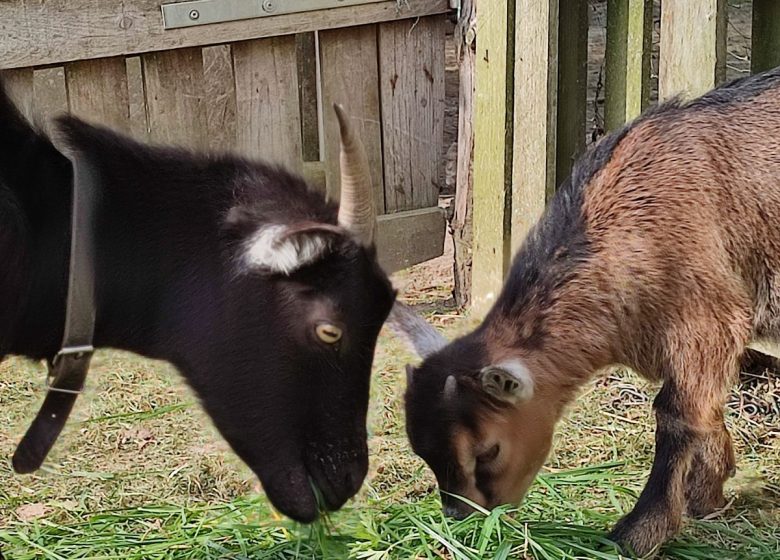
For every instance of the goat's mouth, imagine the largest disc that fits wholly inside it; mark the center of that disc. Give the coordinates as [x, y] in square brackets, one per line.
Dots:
[303, 493]
[290, 491]
[336, 477]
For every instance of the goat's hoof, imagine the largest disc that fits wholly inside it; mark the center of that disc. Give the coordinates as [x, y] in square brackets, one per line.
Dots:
[700, 507]
[641, 536]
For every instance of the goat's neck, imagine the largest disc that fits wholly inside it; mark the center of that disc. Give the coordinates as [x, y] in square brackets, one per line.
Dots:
[40, 290]
[121, 322]
[567, 342]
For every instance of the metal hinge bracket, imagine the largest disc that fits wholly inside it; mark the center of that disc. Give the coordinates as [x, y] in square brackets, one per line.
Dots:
[203, 12]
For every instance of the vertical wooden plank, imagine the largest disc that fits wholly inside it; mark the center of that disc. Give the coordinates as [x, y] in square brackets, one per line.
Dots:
[50, 94]
[220, 97]
[411, 68]
[306, 53]
[721, 37]
[629, 42]
[765, 40]
[572, 84]
[19, 84]
[97, 91]
[691, 44]
[462, 221]
[174, 97]
[535, 111]
[492, 150]
[267, 101]
[136, 98]
[350, 75]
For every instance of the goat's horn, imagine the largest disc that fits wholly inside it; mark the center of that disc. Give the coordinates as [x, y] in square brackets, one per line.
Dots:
[356, 210]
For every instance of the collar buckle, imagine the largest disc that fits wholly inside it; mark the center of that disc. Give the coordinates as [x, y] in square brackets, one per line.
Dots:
[64, 363]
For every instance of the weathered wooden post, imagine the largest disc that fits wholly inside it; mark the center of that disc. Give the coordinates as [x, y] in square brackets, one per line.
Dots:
[492, 150]
[516, 124]
[462, 221]
[693, 47]
[765, 41]
[629, 39]
[535, 103]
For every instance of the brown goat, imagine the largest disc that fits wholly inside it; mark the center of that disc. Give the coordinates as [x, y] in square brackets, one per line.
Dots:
[661, 252]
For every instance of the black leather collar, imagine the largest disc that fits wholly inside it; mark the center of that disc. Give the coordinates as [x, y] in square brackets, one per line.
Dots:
[68, 368]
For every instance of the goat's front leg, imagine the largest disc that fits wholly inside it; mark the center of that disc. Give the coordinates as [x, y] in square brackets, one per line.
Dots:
[658, 512]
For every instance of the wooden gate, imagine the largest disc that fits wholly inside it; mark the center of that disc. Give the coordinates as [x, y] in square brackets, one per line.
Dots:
[261, 86]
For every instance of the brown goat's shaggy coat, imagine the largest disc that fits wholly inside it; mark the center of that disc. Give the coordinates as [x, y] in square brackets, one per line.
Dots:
[660, 252]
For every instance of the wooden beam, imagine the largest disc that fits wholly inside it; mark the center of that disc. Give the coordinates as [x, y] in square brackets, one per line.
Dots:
[572, 84]
[407, 238]
[462, 221]
[37, 33]
[629, 41]
[492, 150]
[535, 111]
[765, 41]
[693, 45]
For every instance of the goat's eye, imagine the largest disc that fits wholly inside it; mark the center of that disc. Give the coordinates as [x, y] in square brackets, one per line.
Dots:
[328, 333]
[488, 456]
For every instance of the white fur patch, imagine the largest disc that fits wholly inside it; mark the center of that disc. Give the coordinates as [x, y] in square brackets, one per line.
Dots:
[271, 248]
[509, 380]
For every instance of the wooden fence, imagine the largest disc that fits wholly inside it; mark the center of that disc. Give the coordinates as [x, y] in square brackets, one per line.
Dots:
[262, 86]
[530, 96]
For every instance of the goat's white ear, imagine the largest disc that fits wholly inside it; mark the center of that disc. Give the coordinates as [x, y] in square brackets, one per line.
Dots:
[283, 249]
[419, 336]
[508, 381]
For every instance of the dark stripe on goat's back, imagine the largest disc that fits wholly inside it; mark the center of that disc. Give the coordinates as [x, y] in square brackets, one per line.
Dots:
[559, 242]
[736, 91]
[555, 246]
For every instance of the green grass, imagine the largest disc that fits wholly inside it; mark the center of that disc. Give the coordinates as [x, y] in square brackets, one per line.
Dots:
[140, 474]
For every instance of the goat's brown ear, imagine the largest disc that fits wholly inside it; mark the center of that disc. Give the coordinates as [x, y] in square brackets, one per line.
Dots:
[508, 381]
